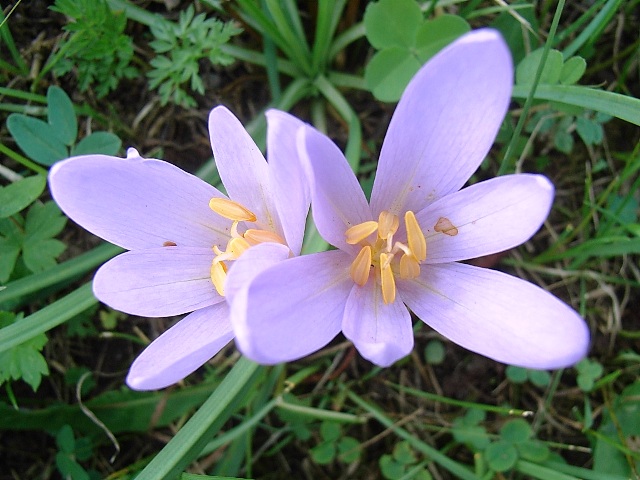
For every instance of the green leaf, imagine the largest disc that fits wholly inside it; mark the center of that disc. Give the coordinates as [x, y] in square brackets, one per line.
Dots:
[105, 143]
[348, 450]
[515, 431]
[330, 431]
[526, 70]
[434, 35]
[65, 440]
[572, 70]
[533, 450]
[37, 139]
[10, 245]
[23, 361]
[69, 468]
[540, 378]
[590, 131]
[434, 352]
[403, 453]
[61, 115]
[516, 374]
[391, 470]
[323, 453]
[501, 456]
[18, 195]
[39, 250]
[392, 23]
[389, 71]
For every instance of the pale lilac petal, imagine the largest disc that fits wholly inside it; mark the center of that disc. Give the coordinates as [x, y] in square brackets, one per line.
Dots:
[381, 333]
[292, 308]
[490, 217]
[288, 181]
[137, 203]
[337, 199]
[157, 282]
[444, 124]
[497, 315]
[251, 263]
[243, 169]
[182, 349]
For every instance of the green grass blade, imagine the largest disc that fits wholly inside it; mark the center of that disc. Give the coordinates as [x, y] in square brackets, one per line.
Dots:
[620, 106]
[460, 471]
[185, 446]
[47, 318]
[591, 32]
[61, 273]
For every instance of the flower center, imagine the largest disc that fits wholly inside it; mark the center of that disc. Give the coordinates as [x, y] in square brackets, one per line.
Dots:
[386, 257]
[239, 242]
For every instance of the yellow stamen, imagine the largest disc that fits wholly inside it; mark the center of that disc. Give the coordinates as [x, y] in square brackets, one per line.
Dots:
[409, 267]
[236, 247]
[218, 276]
[361, 266]
[254, 236]
[231, 210]
[387, 281]
[388, 224]
[415, 237]
[359, 232]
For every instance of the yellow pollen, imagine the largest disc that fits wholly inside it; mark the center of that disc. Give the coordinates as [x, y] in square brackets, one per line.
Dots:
[415, 237]
[231, 210]
[360, 232]
[361, 266]
[254, 236]
[387, 280]
[387, 256]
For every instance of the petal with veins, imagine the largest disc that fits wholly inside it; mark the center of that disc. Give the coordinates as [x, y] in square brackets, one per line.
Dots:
[243, 169]
[137, 203]
[444, 124]
[338, 200]
[182, 349]
[490, 217]
[292, 308]
[288, 180]
[497, 315]
[382, 333]
[157, 282]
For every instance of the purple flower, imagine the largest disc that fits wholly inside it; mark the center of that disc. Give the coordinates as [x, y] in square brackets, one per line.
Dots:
[404, 247]
[183, 234]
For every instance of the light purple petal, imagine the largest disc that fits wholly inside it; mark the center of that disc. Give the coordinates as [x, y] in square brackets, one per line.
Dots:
[288, 181]
[157, 282]
[490, 217]
[137, 203]
[182, 349]
[251, 263]
[444, 124]
[337, 200]
[293, 308]
[497, 315]
[243, 169]
[381, 333]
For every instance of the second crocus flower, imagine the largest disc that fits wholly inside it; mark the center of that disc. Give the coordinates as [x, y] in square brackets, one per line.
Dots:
[404, 248]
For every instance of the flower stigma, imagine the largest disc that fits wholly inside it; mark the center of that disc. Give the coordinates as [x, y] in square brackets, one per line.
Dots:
[239, 242]
[386, 257]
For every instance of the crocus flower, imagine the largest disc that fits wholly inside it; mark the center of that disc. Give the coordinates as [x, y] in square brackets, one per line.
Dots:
[183, 235]
[402, 250]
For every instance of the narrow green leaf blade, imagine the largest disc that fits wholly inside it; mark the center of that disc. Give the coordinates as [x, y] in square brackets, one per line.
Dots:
[614, 104]
[61, 115]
